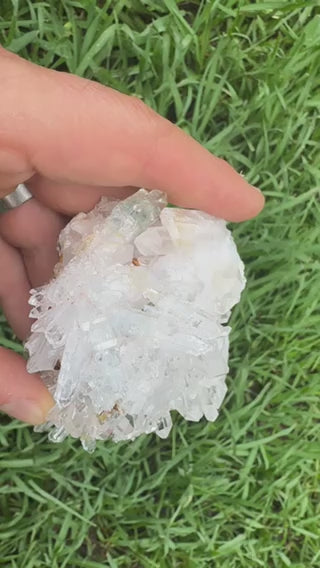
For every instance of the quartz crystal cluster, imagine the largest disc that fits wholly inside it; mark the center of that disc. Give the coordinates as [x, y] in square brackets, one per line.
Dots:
[133, 325]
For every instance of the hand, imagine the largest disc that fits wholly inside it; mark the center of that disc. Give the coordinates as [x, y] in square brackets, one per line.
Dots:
[75, 140]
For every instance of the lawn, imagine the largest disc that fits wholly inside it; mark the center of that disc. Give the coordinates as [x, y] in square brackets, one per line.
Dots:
[244, 79]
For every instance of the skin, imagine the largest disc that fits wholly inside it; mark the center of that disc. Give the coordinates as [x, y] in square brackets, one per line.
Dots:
[73, 140]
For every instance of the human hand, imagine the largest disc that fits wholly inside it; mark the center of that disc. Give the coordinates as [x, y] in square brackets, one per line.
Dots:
[74, 141]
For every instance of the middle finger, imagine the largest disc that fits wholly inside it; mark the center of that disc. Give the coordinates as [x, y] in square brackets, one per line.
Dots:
[34, 229]
[70, 199]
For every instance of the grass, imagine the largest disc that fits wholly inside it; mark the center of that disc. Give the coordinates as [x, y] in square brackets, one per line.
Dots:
[243, 78]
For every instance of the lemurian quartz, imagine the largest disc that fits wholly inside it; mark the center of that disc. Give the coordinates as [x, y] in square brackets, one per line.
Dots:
[133, 325]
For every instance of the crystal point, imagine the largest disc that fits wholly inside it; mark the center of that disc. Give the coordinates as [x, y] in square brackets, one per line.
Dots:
[132, 325]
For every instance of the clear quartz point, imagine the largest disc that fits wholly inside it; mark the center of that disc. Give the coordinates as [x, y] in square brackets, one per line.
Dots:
[132, 325]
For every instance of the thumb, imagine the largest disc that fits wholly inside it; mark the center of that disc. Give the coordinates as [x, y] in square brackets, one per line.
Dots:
[22, 395]
[72, 130]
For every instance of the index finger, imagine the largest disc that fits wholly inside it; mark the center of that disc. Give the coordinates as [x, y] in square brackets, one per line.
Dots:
[72, 130]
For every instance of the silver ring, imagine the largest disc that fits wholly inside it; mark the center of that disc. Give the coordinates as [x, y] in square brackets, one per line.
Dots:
[20, 195]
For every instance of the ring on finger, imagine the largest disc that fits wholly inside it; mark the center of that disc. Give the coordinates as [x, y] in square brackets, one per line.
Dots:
[15, 198]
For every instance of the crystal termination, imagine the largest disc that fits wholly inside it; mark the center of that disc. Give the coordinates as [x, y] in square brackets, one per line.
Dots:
[132, 325]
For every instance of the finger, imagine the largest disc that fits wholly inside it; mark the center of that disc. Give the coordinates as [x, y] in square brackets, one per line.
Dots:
[76, 131]
[14, 166]
[22, 395]
[34, 229]
[69, 199]
[14, 289]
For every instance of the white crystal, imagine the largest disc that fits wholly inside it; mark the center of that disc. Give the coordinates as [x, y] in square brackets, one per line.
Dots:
[132, 325]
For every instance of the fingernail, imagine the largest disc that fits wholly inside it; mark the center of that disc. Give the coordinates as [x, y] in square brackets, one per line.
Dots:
[257, 188]
[25, 410]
